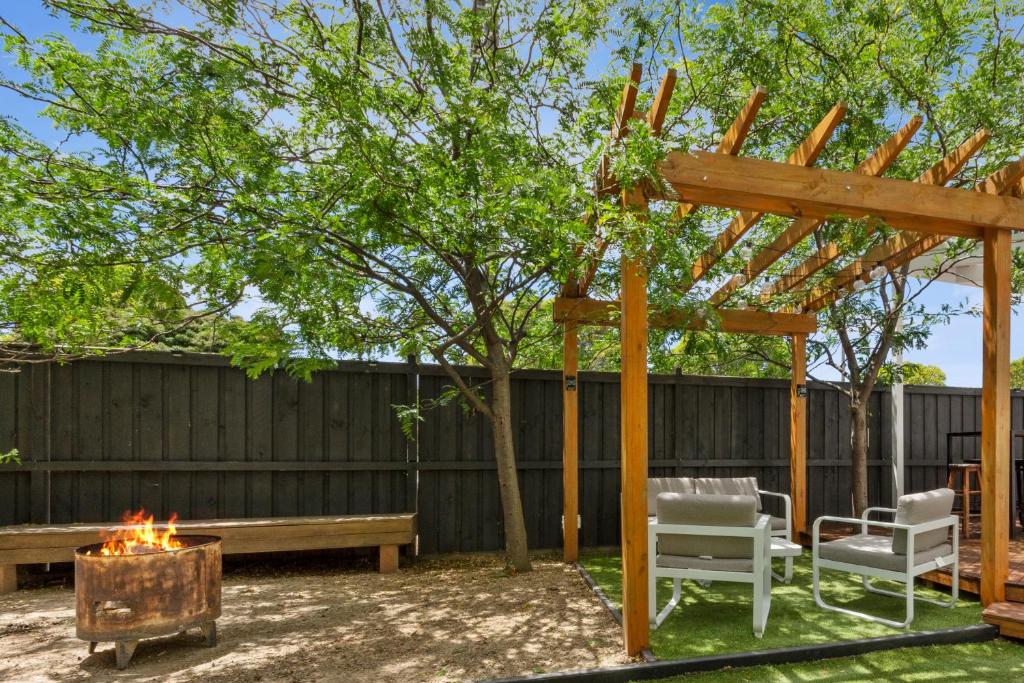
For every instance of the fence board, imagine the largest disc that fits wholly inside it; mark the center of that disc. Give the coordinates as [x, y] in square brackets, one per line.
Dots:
[195, 436]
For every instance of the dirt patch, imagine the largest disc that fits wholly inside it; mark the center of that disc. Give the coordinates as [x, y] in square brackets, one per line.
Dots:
[448, 620]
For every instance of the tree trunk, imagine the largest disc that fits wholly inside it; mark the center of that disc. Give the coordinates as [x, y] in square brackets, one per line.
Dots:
[859, 443]
[517, 556]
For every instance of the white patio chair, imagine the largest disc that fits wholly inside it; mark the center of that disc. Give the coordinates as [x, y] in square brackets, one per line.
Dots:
[735, 486]
[919, 544]
[709, 538]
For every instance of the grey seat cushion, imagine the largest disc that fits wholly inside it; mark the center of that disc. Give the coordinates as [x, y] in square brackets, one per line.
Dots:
[917, 508]
[706, 510]
[656, 485]
[729, 486]
[868, 550]
[710, 563]
[778, 523]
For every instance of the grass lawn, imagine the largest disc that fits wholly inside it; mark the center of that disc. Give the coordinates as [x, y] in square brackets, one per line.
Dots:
[999, 660]
[718, 619]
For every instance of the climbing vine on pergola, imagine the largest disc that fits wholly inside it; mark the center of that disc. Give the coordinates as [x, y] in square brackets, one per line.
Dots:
[923, 212]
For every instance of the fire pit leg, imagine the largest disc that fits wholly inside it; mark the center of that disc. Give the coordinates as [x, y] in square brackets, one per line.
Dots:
[92, 646]
[210, 633]
[124, 649]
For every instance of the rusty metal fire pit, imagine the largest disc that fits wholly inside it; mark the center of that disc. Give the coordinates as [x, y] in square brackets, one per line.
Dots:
[125, 598]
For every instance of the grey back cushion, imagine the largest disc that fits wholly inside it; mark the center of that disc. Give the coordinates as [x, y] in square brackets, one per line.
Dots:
[656, 485]
[706, 510]
[917, 508]
[729, 486]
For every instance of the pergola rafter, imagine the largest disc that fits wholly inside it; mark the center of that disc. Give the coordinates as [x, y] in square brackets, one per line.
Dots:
[804, 155]
[924, 212]
[876, 164]
[939, 174]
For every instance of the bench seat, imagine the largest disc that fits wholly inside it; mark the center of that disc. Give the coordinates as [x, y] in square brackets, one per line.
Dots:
[39, 543]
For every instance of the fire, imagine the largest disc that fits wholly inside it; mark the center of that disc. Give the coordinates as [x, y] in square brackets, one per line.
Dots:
[140, 536]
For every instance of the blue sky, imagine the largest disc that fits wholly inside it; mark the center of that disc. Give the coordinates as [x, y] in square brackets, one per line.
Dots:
[956, 347]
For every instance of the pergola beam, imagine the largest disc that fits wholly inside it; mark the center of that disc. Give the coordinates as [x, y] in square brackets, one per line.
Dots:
[733, 320]
[939, 174]
[773, 187]
[804, 155]
[876, 164]
[905, 246]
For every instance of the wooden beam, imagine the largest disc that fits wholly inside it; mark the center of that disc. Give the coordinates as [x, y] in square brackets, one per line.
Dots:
[804, 155]
[733, 138]
[623, 113]
[905, 246]
[798, 435]
[732, 320]
[570, 444]
[633, 326]
[786, 189]
[659, 108]
[876, 164]
[627, 102]
[995, 416]
[626, 111]
[811, 265]
[939, 174]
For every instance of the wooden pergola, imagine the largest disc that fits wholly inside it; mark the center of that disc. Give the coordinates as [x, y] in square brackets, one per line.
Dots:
[924, 213]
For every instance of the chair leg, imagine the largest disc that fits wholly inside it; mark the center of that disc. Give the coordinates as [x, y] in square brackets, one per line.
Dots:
[762, 600]
[820, 602]
[676, 595]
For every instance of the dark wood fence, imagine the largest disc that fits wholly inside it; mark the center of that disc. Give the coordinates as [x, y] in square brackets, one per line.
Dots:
[191, 435]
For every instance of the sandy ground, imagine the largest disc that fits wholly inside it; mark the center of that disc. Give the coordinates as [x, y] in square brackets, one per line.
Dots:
[444, 620]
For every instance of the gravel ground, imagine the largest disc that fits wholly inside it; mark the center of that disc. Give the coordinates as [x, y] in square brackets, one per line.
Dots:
[451, 619]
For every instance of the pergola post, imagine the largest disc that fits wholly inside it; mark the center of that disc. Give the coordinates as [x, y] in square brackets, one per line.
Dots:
[798, 435]
[634, 443]
[995, 416]
[570, 445]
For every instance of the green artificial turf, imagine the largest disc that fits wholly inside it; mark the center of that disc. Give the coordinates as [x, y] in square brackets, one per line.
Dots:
[999, 660]
[718, 619]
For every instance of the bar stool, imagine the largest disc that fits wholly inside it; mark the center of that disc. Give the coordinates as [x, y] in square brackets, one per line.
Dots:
[965, 470]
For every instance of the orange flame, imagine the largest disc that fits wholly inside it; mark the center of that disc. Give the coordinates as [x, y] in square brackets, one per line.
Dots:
[140, 536]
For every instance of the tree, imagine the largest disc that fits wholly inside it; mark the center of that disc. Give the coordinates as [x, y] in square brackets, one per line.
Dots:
[1017, 374]
[387, 177]
[953, 62]
[912, 373]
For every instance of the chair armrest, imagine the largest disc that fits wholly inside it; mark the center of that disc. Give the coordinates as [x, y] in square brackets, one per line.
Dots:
[788, 503]
[867, 514]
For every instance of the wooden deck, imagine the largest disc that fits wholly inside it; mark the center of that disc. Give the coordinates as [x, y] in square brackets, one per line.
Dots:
[970, 569]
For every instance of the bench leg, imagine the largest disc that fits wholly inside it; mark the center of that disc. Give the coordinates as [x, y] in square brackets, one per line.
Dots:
[388, 559]
[8, 578]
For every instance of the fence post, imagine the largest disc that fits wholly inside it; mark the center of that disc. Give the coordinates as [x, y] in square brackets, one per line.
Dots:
[412, 448]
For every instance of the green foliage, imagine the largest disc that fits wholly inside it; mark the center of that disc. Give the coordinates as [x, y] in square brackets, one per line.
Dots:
[1017, 374]
[10, 457]
[912, 373]
[384, 177]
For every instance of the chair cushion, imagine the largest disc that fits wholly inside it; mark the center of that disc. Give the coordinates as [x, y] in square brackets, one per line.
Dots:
[869, 550]
[712, 564]
[778, 523]
[729, 486]
[917, 508]
[656, 485]
[706, 510]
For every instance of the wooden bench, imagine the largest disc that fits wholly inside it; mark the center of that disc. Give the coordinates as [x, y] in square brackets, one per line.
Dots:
[38, 543]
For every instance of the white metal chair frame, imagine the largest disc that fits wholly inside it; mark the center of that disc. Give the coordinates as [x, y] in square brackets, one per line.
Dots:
[760, 577]
[906, 576]
[786, 533]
